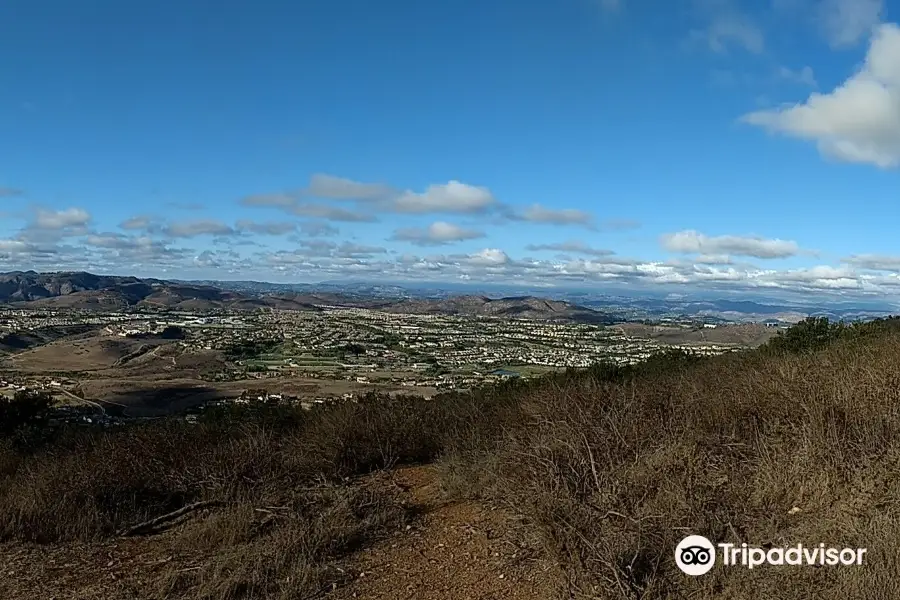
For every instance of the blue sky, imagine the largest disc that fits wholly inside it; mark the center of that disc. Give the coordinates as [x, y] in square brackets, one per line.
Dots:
[702, 143]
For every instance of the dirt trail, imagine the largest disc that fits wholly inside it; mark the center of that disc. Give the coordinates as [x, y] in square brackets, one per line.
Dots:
[455, 551]
[115, 570]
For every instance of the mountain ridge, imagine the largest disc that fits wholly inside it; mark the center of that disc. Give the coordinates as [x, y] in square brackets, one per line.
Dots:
[77, 289]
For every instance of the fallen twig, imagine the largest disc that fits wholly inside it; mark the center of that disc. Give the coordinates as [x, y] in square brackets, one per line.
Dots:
[156, 522]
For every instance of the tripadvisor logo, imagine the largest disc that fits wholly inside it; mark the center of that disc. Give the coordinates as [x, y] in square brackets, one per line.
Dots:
[696, 555]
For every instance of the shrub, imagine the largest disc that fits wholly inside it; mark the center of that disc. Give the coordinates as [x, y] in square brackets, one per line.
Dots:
[615, 469]
[810, 334]
[26, 409]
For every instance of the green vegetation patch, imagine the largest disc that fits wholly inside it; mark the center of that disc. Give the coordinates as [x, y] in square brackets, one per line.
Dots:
[249, 349]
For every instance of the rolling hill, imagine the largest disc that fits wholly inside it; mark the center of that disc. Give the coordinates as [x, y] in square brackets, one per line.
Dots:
[519, 307]
[77, 290]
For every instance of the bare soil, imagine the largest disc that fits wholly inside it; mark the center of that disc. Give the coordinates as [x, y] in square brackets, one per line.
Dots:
[456, 551]
[452, 550]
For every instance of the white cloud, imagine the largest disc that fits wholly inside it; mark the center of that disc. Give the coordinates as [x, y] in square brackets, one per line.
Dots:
[109, 240]
[61, 219]
[859, 121]
[438, 233]
[818, 277]
[573, 246]
[351, 250]
[734, 30]
[331, 213]
[713, 259]
[271, 200]
[488, 257]
[311, 252]
[186, 229]
[451, 197]
[318, 229]
[875, 262]
[133, 247]
[266, 228]
[802, 76]
[207, 259]
[139, 222]
[339, 188]
[322, 260]
[537, 213]
[14, 247]
[693, 242]
[454, 196]
[845, 22]
[727, 27]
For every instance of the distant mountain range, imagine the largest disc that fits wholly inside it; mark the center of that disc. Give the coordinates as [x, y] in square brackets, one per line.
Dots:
[521, 307]
[638, 304]
[89, 291]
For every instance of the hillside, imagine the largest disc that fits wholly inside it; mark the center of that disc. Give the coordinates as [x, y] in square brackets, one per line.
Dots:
[746, 335]
[87, 291]
[24, 286]
[24, 340]
[578, 485]
[522, 307]
[75, 290]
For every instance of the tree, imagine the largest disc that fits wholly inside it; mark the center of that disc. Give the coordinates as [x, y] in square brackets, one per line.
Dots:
[810, 334]
[172, 332]
[435, 368]
[28, 408]
[355, 349]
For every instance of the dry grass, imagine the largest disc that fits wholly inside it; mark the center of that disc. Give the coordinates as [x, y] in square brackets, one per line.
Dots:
[291, 551]
[90, 485]
[616, 473]
[613, 466]
[285, 480]
[750, 335]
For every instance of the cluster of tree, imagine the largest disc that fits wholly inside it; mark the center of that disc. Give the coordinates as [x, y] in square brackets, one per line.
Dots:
[390, 340]
[815, 333]
[666, 360]
[436, 369]
[172, 332]
[810, 334]
[250, 348]
[25, 410]
[354, 349]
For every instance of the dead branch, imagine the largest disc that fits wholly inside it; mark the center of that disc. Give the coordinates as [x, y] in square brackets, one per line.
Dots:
[155, 523]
